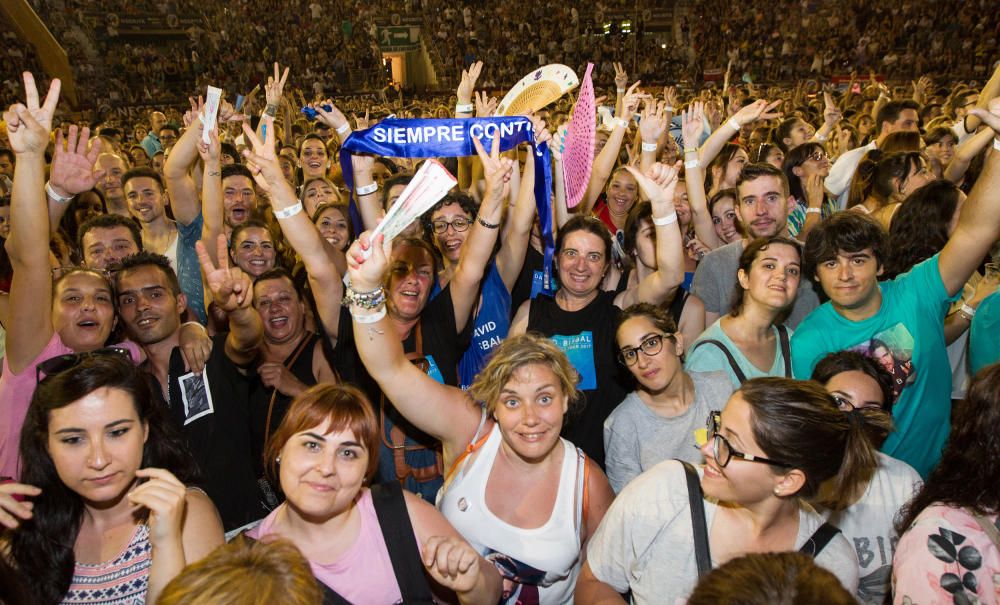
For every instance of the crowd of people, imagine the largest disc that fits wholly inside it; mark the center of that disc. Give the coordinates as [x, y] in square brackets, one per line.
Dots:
[766, 359]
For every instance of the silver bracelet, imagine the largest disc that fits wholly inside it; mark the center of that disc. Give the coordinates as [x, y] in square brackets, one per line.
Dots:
[52, 194]
[369, 188]
[663, 221]
[369, 319]
[288, 212]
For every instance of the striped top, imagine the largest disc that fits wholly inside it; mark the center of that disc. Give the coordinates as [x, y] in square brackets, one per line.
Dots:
[121, 581]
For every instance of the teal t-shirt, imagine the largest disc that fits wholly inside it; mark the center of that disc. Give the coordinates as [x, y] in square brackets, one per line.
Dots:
[984, 334]
[709, 358]
[906, 334]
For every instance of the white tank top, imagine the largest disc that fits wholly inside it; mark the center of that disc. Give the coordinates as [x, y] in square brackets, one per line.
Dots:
[537, 565]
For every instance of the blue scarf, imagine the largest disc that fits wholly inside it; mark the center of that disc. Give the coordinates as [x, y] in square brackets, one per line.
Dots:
[414, 138]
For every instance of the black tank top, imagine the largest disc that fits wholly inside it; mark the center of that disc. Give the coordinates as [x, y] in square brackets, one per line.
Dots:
[587, 337]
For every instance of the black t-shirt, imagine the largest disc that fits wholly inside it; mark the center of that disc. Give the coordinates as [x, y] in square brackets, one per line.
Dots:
[260, 398]
[219, 434]
[587, 337]
[442, 347]
[529, 281]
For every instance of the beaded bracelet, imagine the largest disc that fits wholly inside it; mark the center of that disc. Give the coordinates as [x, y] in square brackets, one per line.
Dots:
[364, 300]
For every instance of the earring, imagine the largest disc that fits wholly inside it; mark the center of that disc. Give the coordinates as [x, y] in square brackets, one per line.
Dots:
[777, 492]
[277, 460]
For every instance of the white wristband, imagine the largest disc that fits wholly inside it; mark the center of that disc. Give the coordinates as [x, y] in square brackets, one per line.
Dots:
[734, 124]
[692, 164]
[464, 107]
[366, 189]
[52, 194]
[669, 108]
[288, 212]
[663, 221]
[996, 143]
[813, 211]
[967, 310]
[649, 146]
[369, 319]
[343, 129]
[821, 138]
[620, 91]
[616, 122]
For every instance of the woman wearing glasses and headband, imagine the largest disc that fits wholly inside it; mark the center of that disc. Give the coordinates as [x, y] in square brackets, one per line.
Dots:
[750, 341]
[806, 168]
[102, 508]
[658, 420]
[866, 517]
[770, 449]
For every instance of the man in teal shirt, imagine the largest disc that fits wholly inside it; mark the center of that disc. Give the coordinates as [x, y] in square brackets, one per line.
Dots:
[899, 322]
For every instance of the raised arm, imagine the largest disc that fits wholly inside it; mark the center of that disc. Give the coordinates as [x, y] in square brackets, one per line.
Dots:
[979, 223]
[464, 96]
[478, 247]
[659, 184]
[831, 117]
[989, 92]
[316, 253]
[652, 124]
[28, 127]
[232, 291]
[517, 229]
[444, 412]
[965, 152]
[758, 110]
[72, 172]
[692, 125]
[605, 162]
[211, 189]
[177, 173]
[272, 96]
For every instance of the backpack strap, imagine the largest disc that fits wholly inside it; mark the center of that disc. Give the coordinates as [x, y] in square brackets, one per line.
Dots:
[702, 553]
[729, 356]
[404, 553]
[330, 596]
[818, 541]
[786, 349]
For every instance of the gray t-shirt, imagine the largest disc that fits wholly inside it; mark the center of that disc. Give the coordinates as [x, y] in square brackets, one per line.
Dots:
[645, 542]
[715, 280]
[636, 438]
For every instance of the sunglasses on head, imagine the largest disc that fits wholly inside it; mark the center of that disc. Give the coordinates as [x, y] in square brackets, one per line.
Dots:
[61, 363]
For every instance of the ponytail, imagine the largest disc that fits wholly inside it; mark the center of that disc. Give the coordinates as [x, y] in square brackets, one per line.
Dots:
[799, 422]
[864, 178]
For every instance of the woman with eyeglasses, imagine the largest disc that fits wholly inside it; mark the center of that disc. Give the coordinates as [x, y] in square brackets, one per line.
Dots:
[866, 516]
[750, 341]
[102, 512]
[581, 316]
[806, 168]
[769, 451]
[949, 549]
[657, 421]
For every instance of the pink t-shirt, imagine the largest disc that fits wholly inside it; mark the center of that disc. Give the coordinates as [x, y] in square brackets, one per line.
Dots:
[15, 396]
[364, 573]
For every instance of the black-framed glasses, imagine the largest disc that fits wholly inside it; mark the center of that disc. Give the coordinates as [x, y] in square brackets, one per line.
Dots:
[61, 363]
[459, 224]
[649, 347]
[723, 451]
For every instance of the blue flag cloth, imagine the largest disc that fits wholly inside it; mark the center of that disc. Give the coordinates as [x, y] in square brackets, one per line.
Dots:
[451, 138]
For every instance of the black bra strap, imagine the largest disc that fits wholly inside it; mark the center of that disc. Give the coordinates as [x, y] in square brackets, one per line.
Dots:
[732, 360]
[818, 541]
[702, 554]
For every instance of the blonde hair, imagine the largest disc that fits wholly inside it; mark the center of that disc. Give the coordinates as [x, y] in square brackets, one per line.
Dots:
[519, 351]
[246, 572]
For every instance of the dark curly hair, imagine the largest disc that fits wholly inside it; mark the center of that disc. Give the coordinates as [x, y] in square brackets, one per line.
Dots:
[966, 476]
[919, 229]
[42, 549]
